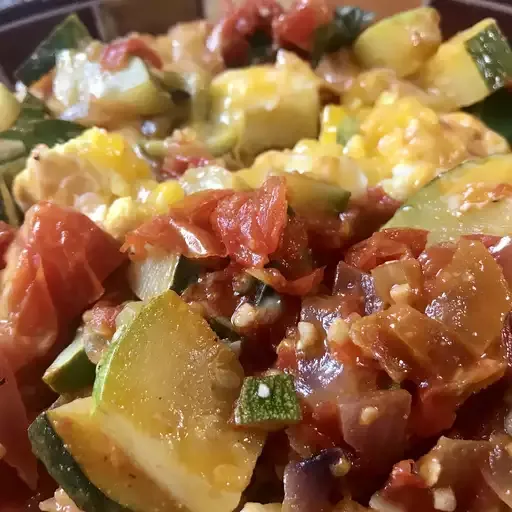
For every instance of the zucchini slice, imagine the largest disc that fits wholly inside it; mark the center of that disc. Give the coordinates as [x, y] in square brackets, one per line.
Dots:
[305, 194]
[157, 274]
[71, 33]
[269, 402]
[460, 202]
[89, 465]
[403, 42]
[129, 92]
[9, 106]
[471, 65]
[72, 370]
[167, 388]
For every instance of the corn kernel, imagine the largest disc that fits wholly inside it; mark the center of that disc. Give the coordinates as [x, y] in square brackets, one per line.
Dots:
[111, 152]
[355, 147]
[387, 98]
[332, 116]
[164, 195]
[124, 215]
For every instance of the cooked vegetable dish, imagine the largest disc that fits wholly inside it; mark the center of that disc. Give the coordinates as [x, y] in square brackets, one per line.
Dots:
[258, 265]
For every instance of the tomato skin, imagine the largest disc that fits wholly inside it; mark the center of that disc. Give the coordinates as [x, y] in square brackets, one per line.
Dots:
[407, 488]
[231, 35]
[175, 166]
[246, 226]
[297, 26]
[387, 245]
[293, 257]
[13, 427]
[184, 151]
[250, 223]
[115, 55]
[55, 269]
[186, 228]
[367, 214]
[300, 287]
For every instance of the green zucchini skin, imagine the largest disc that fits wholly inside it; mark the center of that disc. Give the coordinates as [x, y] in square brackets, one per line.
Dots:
[51, 451]
[153, 276]
[72, 372]
[429, 207]
[71, 33]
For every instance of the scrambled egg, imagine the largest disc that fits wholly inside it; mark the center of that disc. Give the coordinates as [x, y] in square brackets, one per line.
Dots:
[387, 133]
[99, 174]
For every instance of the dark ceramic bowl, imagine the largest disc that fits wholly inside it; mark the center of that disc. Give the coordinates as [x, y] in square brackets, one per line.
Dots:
[23, 23]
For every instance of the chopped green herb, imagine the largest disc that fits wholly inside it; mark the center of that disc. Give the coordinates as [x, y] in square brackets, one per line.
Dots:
[268, 402]
[342, 30]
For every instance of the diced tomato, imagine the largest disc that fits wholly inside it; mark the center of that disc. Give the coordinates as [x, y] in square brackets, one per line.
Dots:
[293, 256]
[215, 291]
[185, 229]
[233, 32]
[246, 226]
[175, 166]
[501, 250]
[16, 496]
[250, 223]
[387, 245]
[438, 402]
[406, 490]
[7, 234]
[296, 27]
[319, 429]
[13, 427]
[349, 354]
[115, 56]
[184, 151]
[102, 318]
[367, 214]
[55, 269]
[302, 286]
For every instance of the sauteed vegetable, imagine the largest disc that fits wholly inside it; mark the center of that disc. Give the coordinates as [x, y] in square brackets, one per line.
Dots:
[259, 265]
